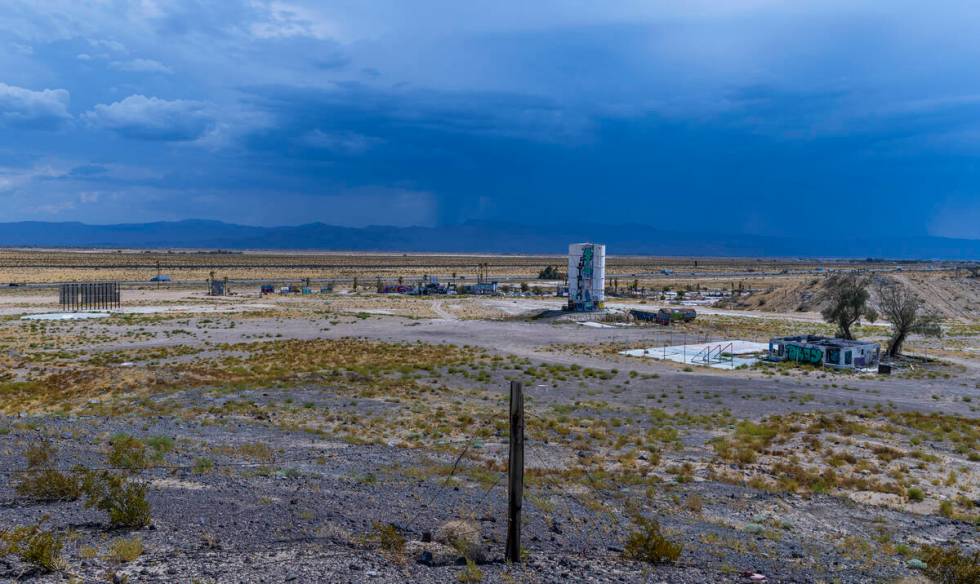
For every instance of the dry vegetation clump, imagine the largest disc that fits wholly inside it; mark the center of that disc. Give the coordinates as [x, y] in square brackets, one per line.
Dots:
[35, 545]
[241, 365]
[41, 481]
[860, 452]
[389, 539]
[962, 433]
[64, 387]
[125, 549]
[648, 544]
[359, 356]
[103, 358]
[127, 453]
[747, 442]
[121, 498]
[378, 304]
[464, 537]
[951, 565]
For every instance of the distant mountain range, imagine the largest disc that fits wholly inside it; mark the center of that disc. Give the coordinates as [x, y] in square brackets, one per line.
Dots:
[474, 237]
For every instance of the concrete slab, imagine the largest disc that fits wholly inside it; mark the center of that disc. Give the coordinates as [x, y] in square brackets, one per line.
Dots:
[65, 316]
[716, 354]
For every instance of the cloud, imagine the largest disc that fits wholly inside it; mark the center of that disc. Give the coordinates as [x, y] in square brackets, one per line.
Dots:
[108, 45]
[88, 170]
[282, 20]
[141, 66]
[45, 109]
[151, 118]
[341, 142]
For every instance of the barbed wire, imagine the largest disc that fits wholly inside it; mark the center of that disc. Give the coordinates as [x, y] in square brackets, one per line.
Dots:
[171, 467]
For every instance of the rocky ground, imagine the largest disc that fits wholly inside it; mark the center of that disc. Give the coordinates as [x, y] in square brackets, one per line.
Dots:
[322, 445]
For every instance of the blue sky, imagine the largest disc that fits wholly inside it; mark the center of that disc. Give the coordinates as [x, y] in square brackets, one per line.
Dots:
[741, 116]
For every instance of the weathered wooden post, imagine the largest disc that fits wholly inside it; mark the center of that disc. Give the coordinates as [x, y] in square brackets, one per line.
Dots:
[515, 472]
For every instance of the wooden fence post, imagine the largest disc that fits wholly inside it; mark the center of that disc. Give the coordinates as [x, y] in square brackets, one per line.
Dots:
[515, 472]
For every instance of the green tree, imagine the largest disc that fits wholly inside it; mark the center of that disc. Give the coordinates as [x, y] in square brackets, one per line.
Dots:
[550, 273]
[847, 303]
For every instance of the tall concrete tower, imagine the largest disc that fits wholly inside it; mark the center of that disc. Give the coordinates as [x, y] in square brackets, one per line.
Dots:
[586, 276]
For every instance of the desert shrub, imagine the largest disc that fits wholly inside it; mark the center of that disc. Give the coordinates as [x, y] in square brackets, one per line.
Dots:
[203, 465]
[122, 499]
[48, 485]
[471, 574]
[42, 481]
[916, 494]
[160, 445]
[648, 544]
[126, 549]
[464, 536]
[748, 440]
[34, 545]
[41, 455]
[88, 552]
[127, 452]
[389, 538]
[951, 565]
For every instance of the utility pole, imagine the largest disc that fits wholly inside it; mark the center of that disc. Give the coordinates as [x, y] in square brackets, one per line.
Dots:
[515, 473]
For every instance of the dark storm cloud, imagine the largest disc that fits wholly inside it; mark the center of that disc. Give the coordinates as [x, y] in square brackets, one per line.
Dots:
[752, 116]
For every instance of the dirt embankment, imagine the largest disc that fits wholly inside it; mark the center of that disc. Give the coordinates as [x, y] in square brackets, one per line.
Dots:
[948, 294]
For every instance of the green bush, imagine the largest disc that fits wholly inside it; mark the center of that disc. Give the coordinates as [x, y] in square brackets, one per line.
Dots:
[202, 465]
[34, 545]
[916, 494]
[122, 499]
[41, 481]
[160, 445]
[127, 452]
[48, 485]
[648, 544]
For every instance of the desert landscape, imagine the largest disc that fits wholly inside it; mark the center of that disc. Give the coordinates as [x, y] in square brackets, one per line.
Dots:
[347, 435]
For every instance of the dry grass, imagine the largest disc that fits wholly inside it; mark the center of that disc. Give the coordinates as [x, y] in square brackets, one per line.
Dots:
[888, 458]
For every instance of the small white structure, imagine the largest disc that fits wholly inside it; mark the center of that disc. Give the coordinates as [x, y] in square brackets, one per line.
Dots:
[586, 276]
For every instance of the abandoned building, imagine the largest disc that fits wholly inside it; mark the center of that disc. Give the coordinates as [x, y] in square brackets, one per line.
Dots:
[827, 351]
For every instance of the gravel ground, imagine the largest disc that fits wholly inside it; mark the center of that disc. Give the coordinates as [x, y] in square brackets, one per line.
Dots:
[309, 512]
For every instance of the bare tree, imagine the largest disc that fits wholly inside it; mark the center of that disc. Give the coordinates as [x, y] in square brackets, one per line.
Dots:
[900, 306]
[848, 302]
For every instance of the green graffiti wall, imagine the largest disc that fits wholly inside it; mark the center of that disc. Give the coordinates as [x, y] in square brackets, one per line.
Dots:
[804, 354]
